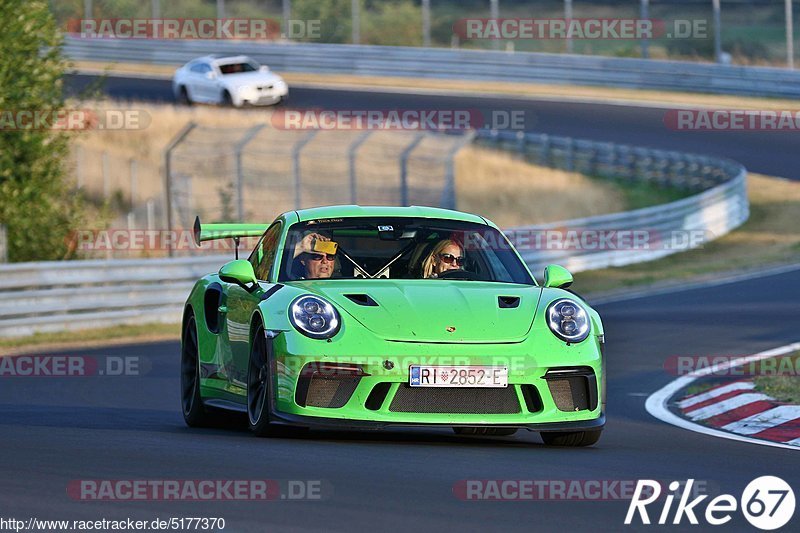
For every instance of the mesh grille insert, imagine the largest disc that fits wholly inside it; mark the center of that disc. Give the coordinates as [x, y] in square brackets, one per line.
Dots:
[331, 393]
[455, 400]
[570, 394]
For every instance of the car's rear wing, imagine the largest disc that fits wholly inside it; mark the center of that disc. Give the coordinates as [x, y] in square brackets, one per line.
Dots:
[211, 232]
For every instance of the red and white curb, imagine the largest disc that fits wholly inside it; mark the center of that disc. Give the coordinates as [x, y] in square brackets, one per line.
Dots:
[733, 410]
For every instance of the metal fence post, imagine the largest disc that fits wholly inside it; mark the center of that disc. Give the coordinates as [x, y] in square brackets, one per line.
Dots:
[79, 164]
[404, 155]
[494, 14]
[133, 169]
[240, 146]
[168, 175]
[351, 159]
[448, 200]
[106, 176]
[3, 244]
[426, 23]
[355, 8]
[296, 166]
[644, 14]
[568, 17]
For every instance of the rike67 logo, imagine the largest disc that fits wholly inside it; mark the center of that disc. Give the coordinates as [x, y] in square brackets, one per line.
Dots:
[767, 503]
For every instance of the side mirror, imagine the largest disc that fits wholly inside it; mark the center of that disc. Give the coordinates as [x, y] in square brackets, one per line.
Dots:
[263, 68]
[239, 271]
[211, 75]
[557, 276]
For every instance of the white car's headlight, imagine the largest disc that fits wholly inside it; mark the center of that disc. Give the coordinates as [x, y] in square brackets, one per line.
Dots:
[568, 320]
[314, 317]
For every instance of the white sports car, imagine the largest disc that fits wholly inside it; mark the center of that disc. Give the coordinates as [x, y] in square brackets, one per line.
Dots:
[232, 81]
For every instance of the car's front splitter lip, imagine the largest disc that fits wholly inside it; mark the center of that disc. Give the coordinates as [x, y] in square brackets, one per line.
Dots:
[346, 423]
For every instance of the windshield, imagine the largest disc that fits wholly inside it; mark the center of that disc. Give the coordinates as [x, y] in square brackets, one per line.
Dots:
[237, 68]
[399, 248]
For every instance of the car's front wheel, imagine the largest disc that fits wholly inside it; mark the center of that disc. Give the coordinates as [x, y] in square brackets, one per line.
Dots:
[227, 99]
[183, 96]
[259, 381]
[571, 438]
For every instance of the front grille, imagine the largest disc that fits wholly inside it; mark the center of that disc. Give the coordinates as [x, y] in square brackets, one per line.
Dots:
[482, 401]
[330, 392]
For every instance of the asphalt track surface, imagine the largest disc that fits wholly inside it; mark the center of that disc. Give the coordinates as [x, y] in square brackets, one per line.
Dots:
[770, 153]
[55, 430]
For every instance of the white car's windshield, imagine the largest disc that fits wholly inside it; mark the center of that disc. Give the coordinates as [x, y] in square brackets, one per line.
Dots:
[399, 248]
[238, 68]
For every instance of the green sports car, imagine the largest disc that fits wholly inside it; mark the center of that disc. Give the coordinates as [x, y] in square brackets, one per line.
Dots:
[368, 317]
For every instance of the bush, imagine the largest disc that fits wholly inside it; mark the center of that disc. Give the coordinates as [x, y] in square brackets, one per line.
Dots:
[35, 204]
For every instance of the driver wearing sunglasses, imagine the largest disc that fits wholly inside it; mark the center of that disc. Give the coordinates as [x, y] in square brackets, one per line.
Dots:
[446, 255]
[317, 265]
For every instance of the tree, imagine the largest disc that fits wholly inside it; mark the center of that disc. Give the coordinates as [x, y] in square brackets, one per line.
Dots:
[35, 203]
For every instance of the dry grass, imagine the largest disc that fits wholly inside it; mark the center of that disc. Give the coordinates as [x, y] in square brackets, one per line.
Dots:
[769, 237]
[541, 90]
[512, 192]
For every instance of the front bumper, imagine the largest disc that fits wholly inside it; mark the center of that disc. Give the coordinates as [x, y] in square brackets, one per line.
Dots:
[531, 400]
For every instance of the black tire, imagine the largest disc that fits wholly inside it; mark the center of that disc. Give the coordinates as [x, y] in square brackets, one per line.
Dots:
[259, 381]
[194, 413]
[571, 438]
[227, 100]
[490, 432]
[183, 96]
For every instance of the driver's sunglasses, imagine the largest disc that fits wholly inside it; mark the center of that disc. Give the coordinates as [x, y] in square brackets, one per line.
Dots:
[449, 259]
[319, 257]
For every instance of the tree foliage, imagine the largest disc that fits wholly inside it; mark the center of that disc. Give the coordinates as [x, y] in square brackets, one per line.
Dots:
[35, 204]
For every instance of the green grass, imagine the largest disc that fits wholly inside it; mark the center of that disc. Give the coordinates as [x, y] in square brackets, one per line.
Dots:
[784, 388]
[138, 332]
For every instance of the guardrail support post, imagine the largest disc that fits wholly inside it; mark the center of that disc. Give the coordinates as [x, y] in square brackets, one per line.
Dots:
[544, 151]
[569, 156]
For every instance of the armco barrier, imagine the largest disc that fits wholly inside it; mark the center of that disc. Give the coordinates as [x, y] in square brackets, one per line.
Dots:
[53, 296]
[719, 206]
[83, 294]
[454, 64]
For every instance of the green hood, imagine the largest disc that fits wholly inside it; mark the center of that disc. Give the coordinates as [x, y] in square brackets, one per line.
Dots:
[423, 310]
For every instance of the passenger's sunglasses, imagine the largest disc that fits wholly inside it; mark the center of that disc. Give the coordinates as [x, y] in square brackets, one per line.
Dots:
[449, 259]
[319, 257]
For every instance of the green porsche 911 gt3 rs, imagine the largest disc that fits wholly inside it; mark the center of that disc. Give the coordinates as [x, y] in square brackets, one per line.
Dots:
[368, 317]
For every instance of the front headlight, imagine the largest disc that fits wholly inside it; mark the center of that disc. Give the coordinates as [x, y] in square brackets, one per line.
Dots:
[314, 317]
[568, 320]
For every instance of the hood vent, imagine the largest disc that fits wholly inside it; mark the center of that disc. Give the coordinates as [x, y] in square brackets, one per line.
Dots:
[362, 299]
[508, 302]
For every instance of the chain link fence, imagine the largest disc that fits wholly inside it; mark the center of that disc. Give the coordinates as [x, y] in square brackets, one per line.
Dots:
[256, 173]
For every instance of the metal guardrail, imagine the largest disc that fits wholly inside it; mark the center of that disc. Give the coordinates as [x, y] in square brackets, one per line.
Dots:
[719, 206]
[48, 296]
[54, 296]
[455, 64]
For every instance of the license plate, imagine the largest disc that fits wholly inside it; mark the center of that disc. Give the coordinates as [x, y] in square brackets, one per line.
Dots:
[458, 376]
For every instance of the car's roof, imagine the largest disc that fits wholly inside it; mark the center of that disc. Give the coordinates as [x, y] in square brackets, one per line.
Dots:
[346, 211]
